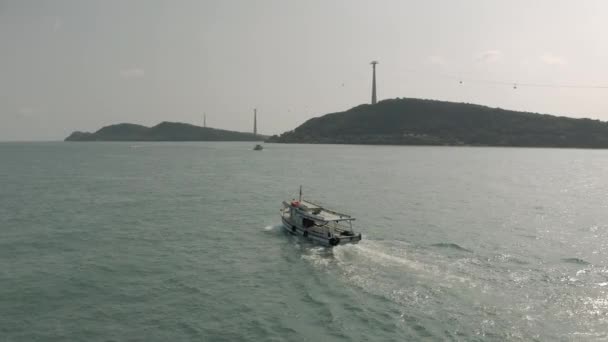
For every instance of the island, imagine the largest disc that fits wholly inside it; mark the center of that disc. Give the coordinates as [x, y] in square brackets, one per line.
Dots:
[165, 131]
[408, 121]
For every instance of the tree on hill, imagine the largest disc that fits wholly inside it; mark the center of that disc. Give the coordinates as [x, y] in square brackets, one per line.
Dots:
[428, 122]
[164, 131]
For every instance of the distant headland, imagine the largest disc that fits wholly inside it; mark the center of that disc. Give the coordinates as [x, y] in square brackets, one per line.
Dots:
[165, 131]
[427, 122]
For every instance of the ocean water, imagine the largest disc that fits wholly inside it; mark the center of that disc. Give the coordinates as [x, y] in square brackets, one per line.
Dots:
[181, 241]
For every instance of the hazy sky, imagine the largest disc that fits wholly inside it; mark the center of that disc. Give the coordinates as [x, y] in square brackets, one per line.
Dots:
[80, 65]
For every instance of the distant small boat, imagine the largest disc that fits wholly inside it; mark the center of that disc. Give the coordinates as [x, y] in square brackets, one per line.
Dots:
[258, 147]
[321, 225]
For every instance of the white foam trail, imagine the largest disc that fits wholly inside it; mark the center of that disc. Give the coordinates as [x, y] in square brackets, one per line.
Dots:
[272, 228]
[373, 252]
[317, 256]
[384, 258]
[372, 266]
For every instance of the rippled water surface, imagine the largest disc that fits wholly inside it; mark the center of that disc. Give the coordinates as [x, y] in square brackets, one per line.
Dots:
[181, 241]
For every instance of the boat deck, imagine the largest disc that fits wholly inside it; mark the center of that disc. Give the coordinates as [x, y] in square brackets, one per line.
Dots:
[315, 222]
[326, 214]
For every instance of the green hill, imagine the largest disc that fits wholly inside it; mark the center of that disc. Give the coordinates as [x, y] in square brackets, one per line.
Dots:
[165, 131]
[428, 122]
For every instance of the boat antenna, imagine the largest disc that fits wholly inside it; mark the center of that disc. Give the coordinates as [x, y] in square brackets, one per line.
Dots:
[300, 194]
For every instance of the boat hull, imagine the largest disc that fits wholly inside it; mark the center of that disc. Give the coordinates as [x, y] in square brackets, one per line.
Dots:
[324, 240]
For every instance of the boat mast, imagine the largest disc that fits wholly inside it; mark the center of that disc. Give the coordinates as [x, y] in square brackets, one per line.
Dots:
[300, 200]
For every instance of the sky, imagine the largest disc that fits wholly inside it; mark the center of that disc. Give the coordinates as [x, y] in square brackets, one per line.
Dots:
[69, 65]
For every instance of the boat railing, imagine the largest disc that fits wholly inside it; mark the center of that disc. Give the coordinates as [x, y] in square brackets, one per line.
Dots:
[339, 227]
[342, 215]
[317, 229]
[333, 227]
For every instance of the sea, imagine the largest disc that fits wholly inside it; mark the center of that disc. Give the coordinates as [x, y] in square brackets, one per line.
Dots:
[130, 241]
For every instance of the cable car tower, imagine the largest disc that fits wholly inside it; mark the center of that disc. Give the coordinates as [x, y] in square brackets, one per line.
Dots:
[373, 63]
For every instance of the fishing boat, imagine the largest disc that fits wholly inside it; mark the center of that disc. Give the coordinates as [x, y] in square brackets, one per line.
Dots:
[258, 147]
[318, 224]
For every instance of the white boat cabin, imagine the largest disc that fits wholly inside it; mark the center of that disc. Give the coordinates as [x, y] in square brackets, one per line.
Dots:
[317, 223]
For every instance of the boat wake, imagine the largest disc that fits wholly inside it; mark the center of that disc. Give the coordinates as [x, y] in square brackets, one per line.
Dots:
[318, 256]
[413, 278]
[374, 253]
[387, 269]
[383, 269]
[273, 228]
[452, 246]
